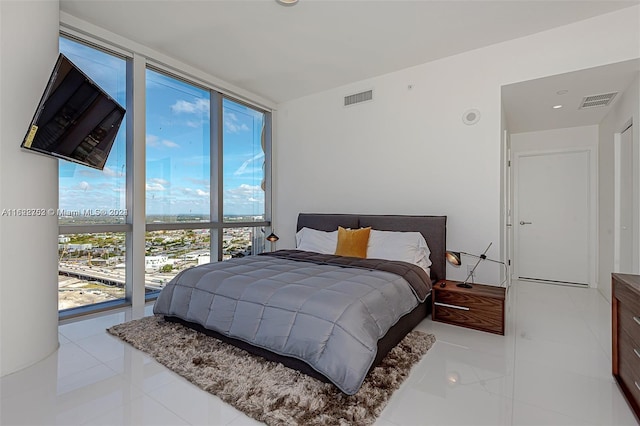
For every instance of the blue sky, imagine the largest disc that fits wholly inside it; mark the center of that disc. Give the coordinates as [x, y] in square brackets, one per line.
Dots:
[177, 147]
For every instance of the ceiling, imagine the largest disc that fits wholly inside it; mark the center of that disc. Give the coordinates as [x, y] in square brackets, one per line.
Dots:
[282, 53]
[529, 105]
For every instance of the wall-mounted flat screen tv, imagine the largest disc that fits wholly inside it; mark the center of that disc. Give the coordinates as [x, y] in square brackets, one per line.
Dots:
[76, 120]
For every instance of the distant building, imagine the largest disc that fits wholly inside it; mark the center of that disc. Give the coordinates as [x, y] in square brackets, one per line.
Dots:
[153, 263]
[78, 247]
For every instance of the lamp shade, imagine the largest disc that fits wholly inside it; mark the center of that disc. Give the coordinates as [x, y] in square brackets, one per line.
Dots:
[453, 257]
[272, 237]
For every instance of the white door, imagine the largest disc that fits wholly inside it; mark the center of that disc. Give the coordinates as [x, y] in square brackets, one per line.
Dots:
[624, 203]
[552, 216]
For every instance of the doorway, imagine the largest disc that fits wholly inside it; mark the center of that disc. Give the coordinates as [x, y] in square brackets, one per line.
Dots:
[553, 221]
[547, 107]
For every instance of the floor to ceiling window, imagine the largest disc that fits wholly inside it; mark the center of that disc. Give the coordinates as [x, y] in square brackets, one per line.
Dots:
[206, 184]
[92, 209]
[178, 181]
[243, 162]
[177, 150]
[243, 175]
[184, 134]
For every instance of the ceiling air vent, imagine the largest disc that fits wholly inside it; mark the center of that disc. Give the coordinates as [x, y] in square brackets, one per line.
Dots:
[358, 97]
[597, 100]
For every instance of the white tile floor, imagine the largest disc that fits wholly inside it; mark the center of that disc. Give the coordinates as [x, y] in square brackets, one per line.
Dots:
[552, 368]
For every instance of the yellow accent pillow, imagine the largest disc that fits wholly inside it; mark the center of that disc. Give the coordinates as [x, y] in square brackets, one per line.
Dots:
[353, 242]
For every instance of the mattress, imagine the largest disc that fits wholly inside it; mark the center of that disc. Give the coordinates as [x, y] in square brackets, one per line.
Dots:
[328, 311]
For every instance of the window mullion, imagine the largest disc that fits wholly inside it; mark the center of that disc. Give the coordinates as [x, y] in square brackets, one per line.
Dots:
[216, 191]
[268, 201]
[136, 178]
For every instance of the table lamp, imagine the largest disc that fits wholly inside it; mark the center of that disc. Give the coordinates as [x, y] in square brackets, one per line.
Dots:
[454, 258]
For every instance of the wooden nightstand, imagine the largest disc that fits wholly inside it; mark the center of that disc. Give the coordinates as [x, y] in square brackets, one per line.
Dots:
[480, 307]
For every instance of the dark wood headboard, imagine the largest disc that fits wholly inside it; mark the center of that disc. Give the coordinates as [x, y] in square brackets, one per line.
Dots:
[433, 228]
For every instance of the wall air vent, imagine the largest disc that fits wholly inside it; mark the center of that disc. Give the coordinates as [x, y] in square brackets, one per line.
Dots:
[597, 100]
[358, 97]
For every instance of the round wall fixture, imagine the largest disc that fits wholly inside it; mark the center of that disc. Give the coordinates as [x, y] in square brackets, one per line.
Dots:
[471, 116]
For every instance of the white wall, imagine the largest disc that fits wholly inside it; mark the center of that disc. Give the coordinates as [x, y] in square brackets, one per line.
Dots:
[28, 246]
[556, 139]
[626, 109]
[571, 138]
[408, 151]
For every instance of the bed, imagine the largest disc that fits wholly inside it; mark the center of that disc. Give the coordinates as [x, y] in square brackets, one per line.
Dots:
[307, 310]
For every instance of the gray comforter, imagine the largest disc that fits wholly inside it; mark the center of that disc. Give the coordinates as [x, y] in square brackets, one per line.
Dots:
[301, 305]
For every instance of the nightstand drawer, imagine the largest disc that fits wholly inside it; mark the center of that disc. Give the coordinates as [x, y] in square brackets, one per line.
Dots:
[470, 301]
[480, 307]
[476, 319]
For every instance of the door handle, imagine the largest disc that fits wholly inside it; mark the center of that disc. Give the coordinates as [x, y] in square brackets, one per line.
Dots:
[522, 222]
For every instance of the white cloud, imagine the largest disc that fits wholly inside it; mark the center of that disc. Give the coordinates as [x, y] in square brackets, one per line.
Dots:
[110, 172]
[170, 144]
[244, 192]
[232, 124]
[159, 181]
[196, 181]
[247, 187]
[84, 195]
[195, 192]
[87, 172]
[244, 165]
[155, 142]
[198, 107]
[195, 124]
[244, 199]
[154, 186]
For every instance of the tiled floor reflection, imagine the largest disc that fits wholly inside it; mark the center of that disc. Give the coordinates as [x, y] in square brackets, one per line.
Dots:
[552, 368]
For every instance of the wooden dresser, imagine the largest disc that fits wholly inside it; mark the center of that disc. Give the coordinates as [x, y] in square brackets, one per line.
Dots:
[625, 320]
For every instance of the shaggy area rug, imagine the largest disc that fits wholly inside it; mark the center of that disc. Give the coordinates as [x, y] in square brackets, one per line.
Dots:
[268, 391]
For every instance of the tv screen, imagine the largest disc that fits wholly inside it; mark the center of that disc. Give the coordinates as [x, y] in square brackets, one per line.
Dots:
[76, 120]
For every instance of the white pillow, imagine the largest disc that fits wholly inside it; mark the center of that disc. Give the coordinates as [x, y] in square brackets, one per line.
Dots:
[405, 246]
[308, 239]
